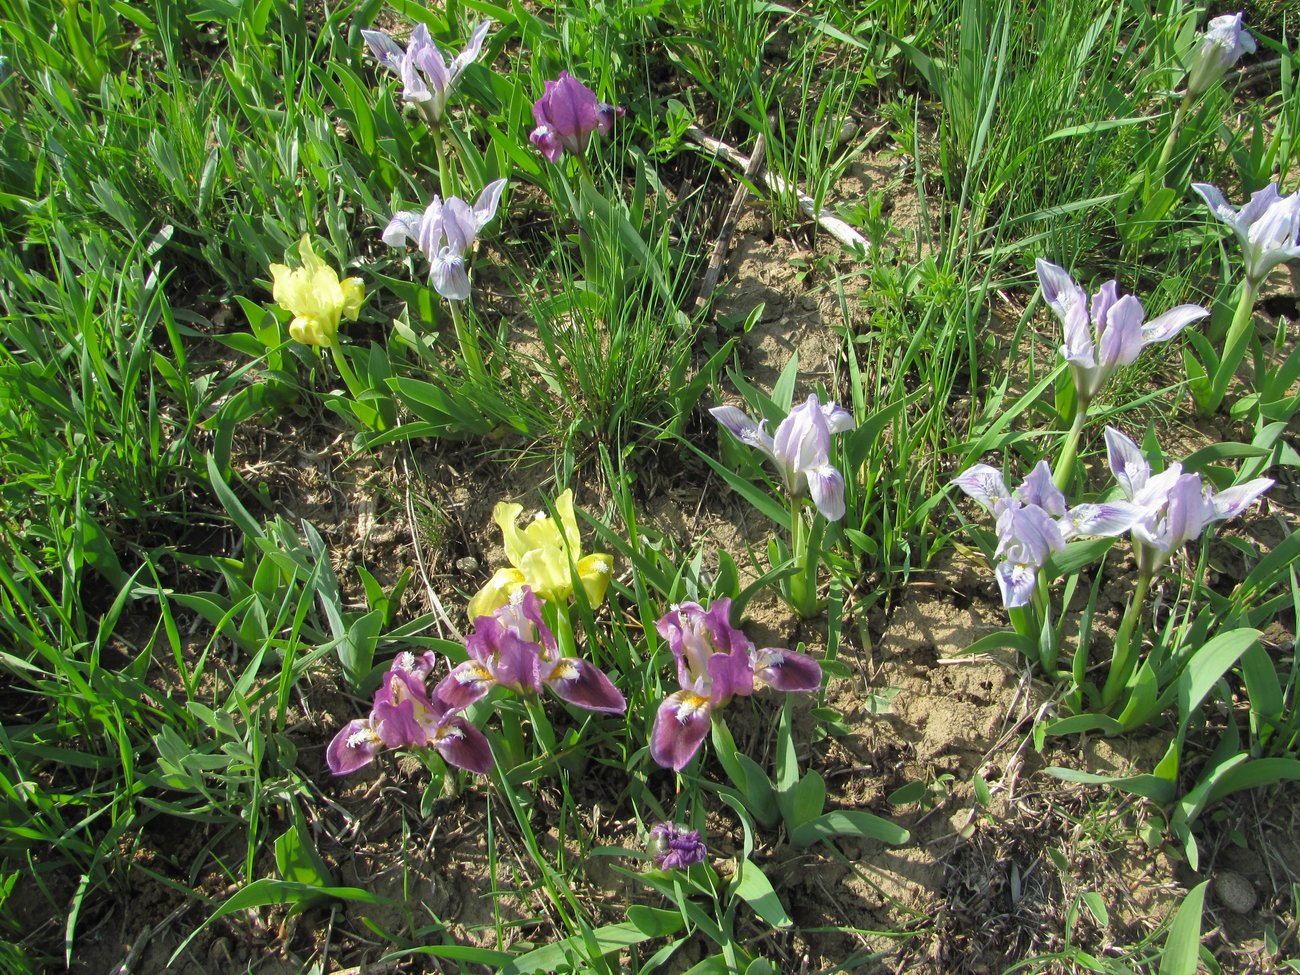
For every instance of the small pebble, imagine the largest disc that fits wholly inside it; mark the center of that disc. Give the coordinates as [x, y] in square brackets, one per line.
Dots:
[1234, 892]
[468, 564]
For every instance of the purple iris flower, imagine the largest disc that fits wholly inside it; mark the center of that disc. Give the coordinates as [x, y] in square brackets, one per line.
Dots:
[715, 662]
[1034, 522]
[445, 231]
[566, 115]
[1268, 227]
[1110, 334]
[426, 76]
[800, 450]
[1174, 508]
[404, 716]
[675, 848]
[514, 648]
[1224, 43]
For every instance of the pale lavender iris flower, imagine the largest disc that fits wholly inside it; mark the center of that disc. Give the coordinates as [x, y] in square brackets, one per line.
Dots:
[1268, 227]
[1174, 507]
[1222, 46]
[715, 662]
[404, 716]
[675, 848]
[800, 450]
[566, 115]
[445, 232]
[516, 650]
[1109, 333]
[1035, 521]
[427, 78]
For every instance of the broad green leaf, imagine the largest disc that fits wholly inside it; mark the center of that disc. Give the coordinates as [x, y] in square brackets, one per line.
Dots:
[755, 889]
[1208, 664]
[1183, 943]
[1148, 786]
[599, 941]
[848, 822]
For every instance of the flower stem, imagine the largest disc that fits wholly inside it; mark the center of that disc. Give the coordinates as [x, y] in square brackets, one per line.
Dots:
[1234, 347]
[345, 370]
[468, 343]
[1065, 463]
[1122, 659]
[803, 584]
[1170, 141]
[447, 182]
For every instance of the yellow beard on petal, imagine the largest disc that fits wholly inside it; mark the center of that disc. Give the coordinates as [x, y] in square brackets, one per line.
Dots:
[690, 706]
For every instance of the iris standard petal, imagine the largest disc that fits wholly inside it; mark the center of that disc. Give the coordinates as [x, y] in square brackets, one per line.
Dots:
[1127, 463]
[506, 515]
[838, 419]
[1121, 342]
[1188, 512]
[1260, 202]
[485, 207]
[803, 440]
[473, 48]
[1039, 489]
[1102, 302]
[731, 674]
[459, 224]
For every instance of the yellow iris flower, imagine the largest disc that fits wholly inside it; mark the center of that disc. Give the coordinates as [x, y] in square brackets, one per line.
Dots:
[316, 297]
[542, 556]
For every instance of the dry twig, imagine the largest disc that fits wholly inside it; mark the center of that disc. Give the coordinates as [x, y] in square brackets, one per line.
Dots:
[832, 224]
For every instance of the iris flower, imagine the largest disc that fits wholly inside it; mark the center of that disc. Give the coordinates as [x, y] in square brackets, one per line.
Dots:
[543, 556]
[1109, 334]
[1174, 508]
[800, 449]
[715, 662]
[566, 115]
[675, 848]
[1222, 46]
[1033, 522]
[315, 297]
[515, 649]
[404, 716]
[444, 232]
[427, 78]
[1268, 227]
